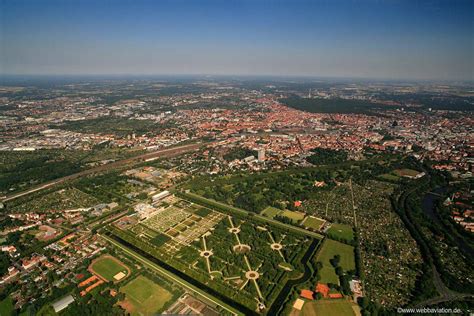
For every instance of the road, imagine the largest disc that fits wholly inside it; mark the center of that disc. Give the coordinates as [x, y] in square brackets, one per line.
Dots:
[353, 203]
[445, 294]
[229, 208]
[169, 152]
[171, 276]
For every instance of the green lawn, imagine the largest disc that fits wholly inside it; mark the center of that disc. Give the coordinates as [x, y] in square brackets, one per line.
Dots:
[160, 239]
[313, 222]
[203, 212]
[339, 307]
[6, 307]
[270, 212]
[108, 266]
[144, 297]
[341, 231]
[294, 216]
[389, 177]
[329, 249]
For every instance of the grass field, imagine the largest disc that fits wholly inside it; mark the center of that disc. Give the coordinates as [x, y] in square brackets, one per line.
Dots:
[341, 231]
[328, 308]
[329, 249]
[107, 267]
[270, 212]
[406, 172]
[313, 222]
[144, 297]
[389, 177]
[294, 216]
[6, 307]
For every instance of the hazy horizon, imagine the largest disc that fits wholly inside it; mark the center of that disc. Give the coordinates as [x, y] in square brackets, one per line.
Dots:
[381, 40]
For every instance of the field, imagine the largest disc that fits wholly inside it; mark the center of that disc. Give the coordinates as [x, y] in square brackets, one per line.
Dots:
[329, 249]
[406, 172]
[396, 174]
[6, 307]
[144, 297]
[313, 222]
[389, 177]
[341, 231]
[244, 260]
[108, 267]
[338, 307]
[294, 216]
[271, 212]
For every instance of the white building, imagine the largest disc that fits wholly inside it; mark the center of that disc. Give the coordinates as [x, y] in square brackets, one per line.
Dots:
[63, 303]
[261, 154]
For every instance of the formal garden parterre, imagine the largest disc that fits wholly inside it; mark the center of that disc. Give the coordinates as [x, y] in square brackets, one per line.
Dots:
[245, 260]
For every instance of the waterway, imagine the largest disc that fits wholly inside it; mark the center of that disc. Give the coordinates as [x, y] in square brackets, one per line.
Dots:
[429, 203]
[185, 277]
[277, 305]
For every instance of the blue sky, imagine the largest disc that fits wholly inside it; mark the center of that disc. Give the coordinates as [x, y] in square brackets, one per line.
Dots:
[367, 38]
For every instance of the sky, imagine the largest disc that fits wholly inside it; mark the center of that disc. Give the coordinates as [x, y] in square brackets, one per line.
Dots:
[389, 39]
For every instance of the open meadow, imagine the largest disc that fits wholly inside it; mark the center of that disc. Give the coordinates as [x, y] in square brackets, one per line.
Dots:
[329, 249]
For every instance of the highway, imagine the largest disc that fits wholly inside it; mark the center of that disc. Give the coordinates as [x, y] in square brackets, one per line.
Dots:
[168, 152]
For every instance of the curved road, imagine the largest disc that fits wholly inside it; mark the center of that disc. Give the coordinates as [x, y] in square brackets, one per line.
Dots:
[445, 294]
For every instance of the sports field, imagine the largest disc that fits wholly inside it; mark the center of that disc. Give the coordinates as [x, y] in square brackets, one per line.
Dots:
[144, 297]
[294, 216]
[406, 172]
[226, 252]
[338, 307]
[313, 222]
[109, 267]
[270, 212]
[329, 249]
[340, 231]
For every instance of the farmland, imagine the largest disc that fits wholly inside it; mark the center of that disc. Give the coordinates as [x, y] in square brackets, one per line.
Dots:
[247, 262]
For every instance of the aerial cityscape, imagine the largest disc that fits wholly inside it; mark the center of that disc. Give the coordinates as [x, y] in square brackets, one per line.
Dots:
[236, 158]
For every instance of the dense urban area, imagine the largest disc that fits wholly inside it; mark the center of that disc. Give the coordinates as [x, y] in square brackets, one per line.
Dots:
[235, 196]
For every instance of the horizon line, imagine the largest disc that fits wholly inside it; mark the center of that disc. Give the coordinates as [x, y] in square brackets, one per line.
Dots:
[289, 76]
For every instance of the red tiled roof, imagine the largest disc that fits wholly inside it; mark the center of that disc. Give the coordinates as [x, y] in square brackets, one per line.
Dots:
[323, 289]
[307, 294]
[335, 295]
